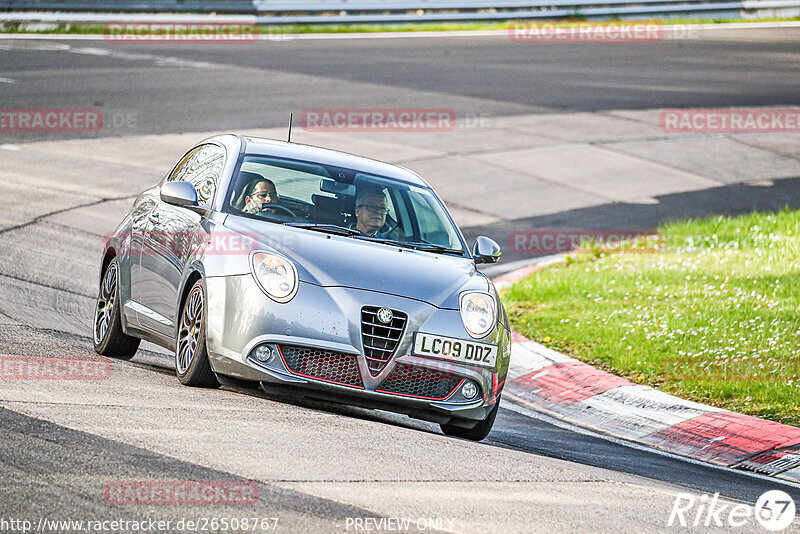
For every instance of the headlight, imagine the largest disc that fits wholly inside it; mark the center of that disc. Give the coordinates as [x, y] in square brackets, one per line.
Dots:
[275, 275]
[477, 313]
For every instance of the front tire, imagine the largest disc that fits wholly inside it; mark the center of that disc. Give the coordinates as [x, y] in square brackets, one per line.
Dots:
[477, 432]
[191, 357]
[109, 339]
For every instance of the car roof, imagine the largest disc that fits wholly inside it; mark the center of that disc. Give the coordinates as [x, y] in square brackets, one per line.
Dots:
[270, 147]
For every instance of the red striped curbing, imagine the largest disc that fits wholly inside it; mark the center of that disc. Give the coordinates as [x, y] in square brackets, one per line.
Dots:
[517, 275]
[725, 437]
[557, 385]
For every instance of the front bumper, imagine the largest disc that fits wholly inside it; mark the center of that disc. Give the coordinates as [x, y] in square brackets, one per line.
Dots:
[327, 322]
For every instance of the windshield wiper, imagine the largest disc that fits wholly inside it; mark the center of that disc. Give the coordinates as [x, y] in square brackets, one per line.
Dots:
[416, 245]
[433, 247]
[326, 228]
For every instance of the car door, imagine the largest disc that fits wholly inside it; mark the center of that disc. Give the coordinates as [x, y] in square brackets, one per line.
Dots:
[143, 207]
[167, 243]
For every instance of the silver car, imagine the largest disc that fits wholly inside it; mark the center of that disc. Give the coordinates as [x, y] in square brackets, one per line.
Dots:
[287, 265]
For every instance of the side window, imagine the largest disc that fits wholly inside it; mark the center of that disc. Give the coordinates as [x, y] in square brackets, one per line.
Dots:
[202, 168]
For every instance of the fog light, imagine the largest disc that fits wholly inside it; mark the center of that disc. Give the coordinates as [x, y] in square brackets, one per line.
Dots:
[469, 390]
[265, 353]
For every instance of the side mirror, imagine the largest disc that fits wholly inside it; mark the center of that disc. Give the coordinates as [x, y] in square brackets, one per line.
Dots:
[181, 194]
[485, 250]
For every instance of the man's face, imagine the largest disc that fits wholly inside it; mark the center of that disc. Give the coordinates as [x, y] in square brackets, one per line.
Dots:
[371, 214]
[263, 192]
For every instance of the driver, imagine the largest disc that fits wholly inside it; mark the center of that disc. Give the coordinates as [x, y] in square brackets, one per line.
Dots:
[263, 191]
[371, 211]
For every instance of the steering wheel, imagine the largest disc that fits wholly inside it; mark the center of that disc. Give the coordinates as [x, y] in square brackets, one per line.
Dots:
[271, 206]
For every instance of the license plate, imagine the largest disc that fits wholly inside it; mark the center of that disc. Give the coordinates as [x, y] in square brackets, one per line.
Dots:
[448, 348]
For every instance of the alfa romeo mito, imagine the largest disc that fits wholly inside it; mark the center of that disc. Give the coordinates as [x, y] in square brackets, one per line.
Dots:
[298, 267]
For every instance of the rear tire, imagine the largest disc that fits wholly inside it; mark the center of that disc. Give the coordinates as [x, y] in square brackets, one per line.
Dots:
[191, 358]
[109, 339]
[477, 432]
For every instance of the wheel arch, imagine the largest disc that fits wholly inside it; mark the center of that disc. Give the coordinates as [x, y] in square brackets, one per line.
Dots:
[191, 279]
[108, 255]
[194, 273]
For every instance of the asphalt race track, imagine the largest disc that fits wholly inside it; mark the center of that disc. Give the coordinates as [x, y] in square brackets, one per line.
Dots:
[317, 466]
[191, 87]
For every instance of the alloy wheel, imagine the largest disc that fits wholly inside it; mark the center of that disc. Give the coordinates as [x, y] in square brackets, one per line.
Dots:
[189, 334]
[104, 310]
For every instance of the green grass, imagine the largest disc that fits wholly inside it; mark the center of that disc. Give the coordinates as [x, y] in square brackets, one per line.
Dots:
[712, 314]
[94, 29]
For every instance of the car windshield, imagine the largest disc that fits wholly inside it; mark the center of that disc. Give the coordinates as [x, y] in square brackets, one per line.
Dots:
[342, 201]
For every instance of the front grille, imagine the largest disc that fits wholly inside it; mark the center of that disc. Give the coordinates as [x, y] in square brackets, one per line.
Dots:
[323, 365]
[420, 382]
[380, 340]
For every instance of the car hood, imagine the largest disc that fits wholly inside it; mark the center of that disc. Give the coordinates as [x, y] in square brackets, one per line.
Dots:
[333, 260]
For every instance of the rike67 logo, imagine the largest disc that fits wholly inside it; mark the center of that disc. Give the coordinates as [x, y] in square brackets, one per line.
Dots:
[774, 510]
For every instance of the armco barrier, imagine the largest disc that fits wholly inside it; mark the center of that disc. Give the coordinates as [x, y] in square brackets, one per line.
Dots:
[379, 11]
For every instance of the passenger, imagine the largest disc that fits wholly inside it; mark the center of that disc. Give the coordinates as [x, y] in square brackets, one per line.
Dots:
[263, 191]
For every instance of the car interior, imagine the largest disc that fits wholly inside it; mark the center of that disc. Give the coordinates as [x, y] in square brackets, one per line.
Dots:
[308, 193]
[336, 207]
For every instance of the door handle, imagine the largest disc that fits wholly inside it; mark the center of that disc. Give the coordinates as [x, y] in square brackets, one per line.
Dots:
[154, 217]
